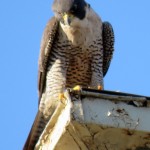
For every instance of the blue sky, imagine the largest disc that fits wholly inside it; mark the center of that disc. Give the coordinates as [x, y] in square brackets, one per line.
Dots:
[21, 28]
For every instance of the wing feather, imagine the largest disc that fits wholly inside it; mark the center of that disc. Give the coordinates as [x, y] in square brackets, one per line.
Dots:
[108, 45]
[46, 46]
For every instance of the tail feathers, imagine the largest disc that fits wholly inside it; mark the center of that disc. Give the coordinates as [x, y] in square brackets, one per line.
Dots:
[35, 132]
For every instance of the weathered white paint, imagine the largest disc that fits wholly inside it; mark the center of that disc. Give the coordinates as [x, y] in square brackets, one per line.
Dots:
[122, 115]
[95, 123]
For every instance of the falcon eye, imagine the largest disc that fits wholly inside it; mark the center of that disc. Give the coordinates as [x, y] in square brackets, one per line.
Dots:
[74, 8]
[72, 11]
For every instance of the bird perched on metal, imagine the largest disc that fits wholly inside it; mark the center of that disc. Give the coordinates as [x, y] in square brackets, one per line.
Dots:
[76, 49]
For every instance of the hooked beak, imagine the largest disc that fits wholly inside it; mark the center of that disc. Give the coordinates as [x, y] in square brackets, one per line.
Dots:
[67, 18]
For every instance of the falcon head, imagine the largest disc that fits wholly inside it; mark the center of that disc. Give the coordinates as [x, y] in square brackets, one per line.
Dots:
[68, 10]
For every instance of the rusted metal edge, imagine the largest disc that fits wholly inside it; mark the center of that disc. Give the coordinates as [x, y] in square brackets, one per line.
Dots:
[114, 96]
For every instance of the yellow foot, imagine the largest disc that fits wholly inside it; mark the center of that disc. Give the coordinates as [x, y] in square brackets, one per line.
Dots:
[100, 87]
[77, 88]
[62, 98]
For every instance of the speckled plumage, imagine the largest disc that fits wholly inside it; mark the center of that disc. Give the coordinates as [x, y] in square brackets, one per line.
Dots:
[70, 55]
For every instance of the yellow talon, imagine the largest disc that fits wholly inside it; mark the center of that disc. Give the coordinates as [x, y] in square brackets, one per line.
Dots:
[77, 88]
[62, 98]
[100, 87]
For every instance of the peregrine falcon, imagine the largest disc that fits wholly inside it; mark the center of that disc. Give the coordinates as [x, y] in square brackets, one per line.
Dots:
[76, 49]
